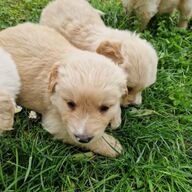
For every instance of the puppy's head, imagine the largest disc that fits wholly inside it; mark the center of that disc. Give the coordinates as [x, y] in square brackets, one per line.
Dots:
[86, 90]
[138, 59]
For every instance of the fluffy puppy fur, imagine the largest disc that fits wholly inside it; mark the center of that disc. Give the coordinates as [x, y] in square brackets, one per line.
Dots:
[77, 92]
[9, 88]
[82, 26]
[145, 10]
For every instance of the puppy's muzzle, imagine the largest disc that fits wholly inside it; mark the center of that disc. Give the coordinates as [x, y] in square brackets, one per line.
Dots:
[83, 138]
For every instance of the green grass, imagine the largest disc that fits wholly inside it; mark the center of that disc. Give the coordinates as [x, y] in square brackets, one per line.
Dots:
[158, 152]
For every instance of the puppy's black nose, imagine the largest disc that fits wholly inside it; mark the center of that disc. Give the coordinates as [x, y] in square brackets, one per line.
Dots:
[83, 138]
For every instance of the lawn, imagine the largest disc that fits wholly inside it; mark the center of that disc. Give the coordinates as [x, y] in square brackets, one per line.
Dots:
[157, 136]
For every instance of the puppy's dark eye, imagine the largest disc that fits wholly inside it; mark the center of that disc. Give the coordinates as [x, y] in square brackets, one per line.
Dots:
[103, 108]
[71, 104]
[130, 89]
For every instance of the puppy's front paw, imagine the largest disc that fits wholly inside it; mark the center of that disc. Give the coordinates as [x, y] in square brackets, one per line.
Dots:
[112, 146]
[107, 146]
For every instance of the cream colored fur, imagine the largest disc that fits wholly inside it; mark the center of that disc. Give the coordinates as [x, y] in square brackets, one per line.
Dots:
[9, 77]
[145, 10]
[69, 87]
[82, 26]
[9, 88]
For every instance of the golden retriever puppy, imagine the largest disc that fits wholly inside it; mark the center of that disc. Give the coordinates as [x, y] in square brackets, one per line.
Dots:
[77, 92]
[145, 10]
[81, 24]
[9, 88]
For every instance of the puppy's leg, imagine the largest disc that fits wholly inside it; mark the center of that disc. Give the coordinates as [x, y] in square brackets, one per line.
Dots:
[107, 146]
[185, 8]
[116, 121]
[7, 110]
[146, 11]
[129, 6]
[144, 19]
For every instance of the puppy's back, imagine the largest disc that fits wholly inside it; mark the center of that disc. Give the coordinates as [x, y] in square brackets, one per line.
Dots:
[32, 42]
[61, 13]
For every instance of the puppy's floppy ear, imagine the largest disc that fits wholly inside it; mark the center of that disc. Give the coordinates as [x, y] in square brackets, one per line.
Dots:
[53, 77]
[111, 50]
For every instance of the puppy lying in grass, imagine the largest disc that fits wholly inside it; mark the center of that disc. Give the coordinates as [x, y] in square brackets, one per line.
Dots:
[145, 10]
[77, 92]
[9, 88]
[82, 26]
